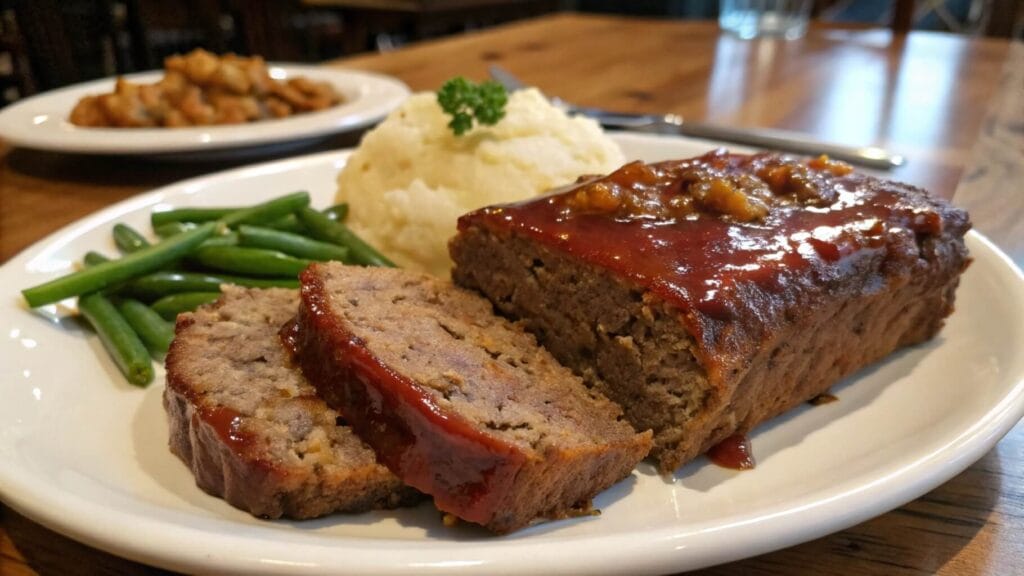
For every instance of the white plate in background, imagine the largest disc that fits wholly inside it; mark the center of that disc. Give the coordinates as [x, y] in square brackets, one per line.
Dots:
[41, 121]
[86, 454]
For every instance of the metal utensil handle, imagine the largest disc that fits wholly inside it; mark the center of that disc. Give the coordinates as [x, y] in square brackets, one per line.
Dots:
[870, 156]
[771, 139]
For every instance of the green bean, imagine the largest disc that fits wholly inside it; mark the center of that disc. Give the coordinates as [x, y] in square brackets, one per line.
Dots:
[229, 239]
[276, 213]
[127, 239]
[124, 346]
[323, 228]
[288, 223]
[196, 215]
[159, 284]
[255, 261]
[154, 331]
[267, 211]
[109, 273]
[170, 306]
[173, 229]
[186, 216]
[338, 212]
[182, 217]
[92, 258]
[292, 244]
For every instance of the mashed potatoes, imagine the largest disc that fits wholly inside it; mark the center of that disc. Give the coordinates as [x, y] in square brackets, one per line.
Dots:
[411, 178]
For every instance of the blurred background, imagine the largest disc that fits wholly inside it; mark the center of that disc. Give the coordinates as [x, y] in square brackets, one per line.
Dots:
[46, 44]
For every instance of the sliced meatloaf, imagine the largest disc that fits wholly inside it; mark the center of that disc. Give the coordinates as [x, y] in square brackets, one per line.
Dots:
[249, 425]
[708, 295]
[456, 401]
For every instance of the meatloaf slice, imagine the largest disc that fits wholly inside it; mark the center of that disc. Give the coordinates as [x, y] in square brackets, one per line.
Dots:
[456, 401]
[249, 425]
[708, 295]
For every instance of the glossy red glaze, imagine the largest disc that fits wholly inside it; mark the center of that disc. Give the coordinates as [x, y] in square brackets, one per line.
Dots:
[228, 425]
[722, 273]
[289, 335]
[733, 452]
[437, 452]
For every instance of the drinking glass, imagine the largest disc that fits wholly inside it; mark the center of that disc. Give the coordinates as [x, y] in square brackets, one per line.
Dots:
[753, 18]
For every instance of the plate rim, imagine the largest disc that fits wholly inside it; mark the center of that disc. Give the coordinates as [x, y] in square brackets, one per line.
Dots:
[388, 93]
[658, 550]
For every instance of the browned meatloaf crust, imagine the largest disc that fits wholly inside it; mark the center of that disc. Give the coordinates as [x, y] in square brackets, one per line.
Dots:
[458, 402]
[706, 296]
[250, 427]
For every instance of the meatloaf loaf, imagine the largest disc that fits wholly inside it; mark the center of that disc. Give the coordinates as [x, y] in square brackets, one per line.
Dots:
[251, 428]
[456, 401]
[708, 295]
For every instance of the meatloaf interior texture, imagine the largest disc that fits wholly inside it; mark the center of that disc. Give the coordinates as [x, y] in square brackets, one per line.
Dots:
[458, 402]
[251, 428]
[703, 316]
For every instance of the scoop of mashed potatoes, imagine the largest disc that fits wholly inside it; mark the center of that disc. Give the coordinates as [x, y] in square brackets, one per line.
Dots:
[411, 178]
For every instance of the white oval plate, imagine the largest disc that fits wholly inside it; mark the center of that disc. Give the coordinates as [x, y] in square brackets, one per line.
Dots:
[86, 454]
[41, 121]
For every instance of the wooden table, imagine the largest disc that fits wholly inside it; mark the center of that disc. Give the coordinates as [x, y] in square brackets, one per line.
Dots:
[951, 104]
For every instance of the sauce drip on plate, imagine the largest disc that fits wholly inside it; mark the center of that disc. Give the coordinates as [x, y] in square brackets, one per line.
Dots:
[733, 452]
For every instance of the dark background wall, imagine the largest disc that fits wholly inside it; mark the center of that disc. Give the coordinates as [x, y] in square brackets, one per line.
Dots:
[45, 44]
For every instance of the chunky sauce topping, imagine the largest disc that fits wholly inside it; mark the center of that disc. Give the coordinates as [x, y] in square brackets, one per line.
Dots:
[733, 452]
[712, 186]
[724, 236]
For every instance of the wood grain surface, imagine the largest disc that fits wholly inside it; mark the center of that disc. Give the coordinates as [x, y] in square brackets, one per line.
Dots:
[951, 104]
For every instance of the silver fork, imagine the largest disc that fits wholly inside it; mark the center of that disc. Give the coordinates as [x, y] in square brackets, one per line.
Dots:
[768, 138]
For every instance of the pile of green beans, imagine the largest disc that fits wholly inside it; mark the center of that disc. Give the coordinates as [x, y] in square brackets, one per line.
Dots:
[132, 301]
[323, 228]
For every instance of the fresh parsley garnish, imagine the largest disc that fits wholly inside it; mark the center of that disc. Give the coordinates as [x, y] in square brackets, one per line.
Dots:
[465, 100]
